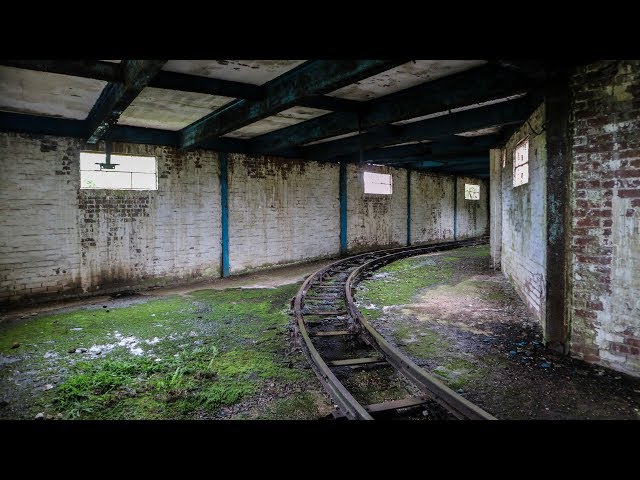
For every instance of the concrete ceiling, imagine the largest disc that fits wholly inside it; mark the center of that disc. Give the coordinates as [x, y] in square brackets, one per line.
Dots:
[49, 94]
[169, 109]
[283, 119]
[404, 76]
[73, 97]
[256, 72]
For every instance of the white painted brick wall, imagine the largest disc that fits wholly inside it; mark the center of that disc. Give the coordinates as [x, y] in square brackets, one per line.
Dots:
[44, 246]
[281, 211]
[473, 215]
[524, 218]
[38, 229]
[431, 207]
[376, 220]
[58, 239]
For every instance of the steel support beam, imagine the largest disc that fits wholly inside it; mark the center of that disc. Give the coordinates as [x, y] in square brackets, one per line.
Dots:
[459, 90]
[505, 113]
[116, 97]
[209, 86]
[312, 78]
[408, 207]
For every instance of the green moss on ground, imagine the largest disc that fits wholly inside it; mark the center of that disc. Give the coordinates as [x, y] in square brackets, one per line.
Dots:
[178, 357]
[399, 282]
[407, 281]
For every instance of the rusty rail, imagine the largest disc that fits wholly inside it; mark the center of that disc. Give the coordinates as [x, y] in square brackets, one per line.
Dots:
[432, 387]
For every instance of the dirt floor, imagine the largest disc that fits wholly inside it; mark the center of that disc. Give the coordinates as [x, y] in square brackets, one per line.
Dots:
[224, 349]
[463, 322]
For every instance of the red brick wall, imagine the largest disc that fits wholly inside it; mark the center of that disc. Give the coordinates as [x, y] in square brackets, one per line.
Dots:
[605, 272]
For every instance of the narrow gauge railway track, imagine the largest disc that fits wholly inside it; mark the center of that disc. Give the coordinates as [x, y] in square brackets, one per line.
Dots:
[339, 341]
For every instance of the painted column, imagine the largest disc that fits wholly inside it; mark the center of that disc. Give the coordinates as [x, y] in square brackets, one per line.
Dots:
[343, 207]
[224, 202]
[455, 207]
[495, 206]
[408, 207]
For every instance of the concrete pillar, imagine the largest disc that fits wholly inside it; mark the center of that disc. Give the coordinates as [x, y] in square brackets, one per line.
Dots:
[556, 326]
[224, 203]
[495, 206]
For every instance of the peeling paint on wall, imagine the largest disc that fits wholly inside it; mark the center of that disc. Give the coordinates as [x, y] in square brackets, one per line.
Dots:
[57, 239]
[431, 207]
[473, 215]
[374, 220]
[523, 249]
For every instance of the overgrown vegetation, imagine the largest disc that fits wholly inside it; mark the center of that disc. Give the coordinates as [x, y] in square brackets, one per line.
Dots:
[179, 357]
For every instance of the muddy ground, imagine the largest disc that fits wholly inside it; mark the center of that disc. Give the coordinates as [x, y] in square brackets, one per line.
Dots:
[464, 323]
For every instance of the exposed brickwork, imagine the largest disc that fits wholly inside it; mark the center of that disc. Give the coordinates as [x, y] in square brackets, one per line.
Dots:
[523, 223]
[605, 313]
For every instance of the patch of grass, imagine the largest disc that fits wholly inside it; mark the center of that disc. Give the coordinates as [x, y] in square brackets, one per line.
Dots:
[223, 393]
[86, 327]
[428, 346]
[458, 372]
[199, 353]
[474, 251]
[406, 279]
[94, 383]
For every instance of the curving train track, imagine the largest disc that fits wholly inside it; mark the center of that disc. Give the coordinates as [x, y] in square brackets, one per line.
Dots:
[339, 343]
